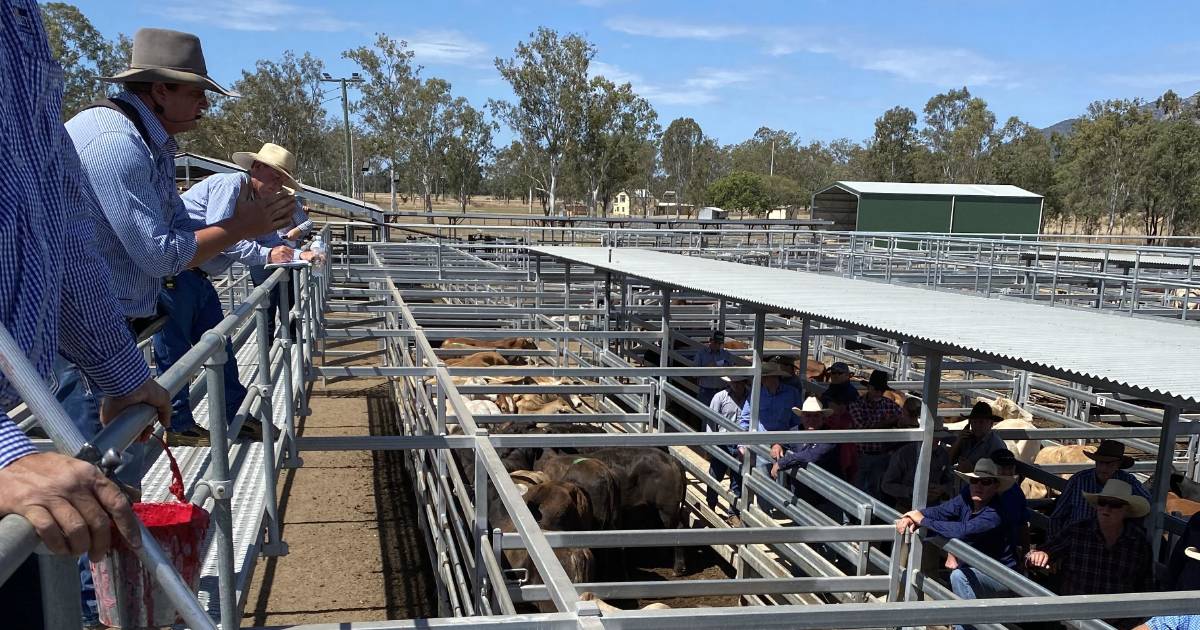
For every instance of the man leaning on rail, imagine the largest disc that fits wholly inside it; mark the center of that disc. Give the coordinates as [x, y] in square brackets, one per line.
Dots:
[192, 304]
[54, 297]
[127, 147]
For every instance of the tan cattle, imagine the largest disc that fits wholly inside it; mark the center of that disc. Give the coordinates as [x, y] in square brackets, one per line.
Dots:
[479, 359]
[508, 343]
[588, 596]
[1065, 454]
[1014, 418]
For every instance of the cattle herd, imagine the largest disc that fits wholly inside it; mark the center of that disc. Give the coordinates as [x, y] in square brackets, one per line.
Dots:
[581, 489]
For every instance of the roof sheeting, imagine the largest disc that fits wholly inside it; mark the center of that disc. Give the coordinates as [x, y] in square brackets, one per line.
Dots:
[1149, 358]
[956, 190]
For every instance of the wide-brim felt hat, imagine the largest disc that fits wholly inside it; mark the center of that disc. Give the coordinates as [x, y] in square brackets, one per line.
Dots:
[987, 469]
[879, 380]
[771, 368]
[1110, 451]
[164, 56]
[1117, 489]
[274, 156]
[981, 411]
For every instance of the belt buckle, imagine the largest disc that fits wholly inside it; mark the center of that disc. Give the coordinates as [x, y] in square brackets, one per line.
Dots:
[169, 282]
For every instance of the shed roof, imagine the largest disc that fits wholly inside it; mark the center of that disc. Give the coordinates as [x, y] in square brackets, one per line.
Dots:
[1149, 358]
[956, 190]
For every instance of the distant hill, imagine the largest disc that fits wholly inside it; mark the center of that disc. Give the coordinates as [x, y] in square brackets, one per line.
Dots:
[1064, 126]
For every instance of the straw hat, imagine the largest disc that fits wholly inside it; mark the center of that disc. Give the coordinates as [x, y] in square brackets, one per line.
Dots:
[1192, 553]
[1110, 451]
[274, 156]
[735, 379]
[987, 469]
[1117, 489]
[811, 405]
[165, 56]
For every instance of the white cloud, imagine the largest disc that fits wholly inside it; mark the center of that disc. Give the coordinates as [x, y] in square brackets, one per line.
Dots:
[673, 30]
[449, 47]
[260, 15]
[1153, 81]
[935, 66]
[702, 87]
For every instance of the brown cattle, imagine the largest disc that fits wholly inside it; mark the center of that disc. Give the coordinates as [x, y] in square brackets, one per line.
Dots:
[896, 397]
[816, 371]
[541, 404]
[479, 359]
[593, 477]
[508, 343]
[734, 344]
[1184, 508]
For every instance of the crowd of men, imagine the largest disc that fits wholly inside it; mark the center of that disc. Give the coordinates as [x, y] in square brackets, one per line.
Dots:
[101, 251]
[1095, 543]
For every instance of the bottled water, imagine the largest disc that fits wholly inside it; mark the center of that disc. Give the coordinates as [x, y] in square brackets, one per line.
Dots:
[318, 262]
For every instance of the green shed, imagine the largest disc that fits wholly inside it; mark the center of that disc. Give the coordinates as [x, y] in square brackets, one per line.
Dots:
[946, 208]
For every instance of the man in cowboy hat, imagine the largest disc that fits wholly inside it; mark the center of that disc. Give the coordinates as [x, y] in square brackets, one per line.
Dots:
[776, 400]
[812, 417]
[975, 521]
[897, 482]
[1183, 569]
[192, 304]
[839, 384]
[713, 354]
[1105, 553]
[726, 403]
[976, 440]
[1072, 505]
[127, 147]
[874, 411]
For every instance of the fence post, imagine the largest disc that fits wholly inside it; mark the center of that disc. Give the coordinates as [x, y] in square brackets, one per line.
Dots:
[273, 546]
[292, 458]
[929, 407]
[218, 480]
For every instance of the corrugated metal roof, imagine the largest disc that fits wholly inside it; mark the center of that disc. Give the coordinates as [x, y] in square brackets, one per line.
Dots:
[958, 190]
[1147, 357]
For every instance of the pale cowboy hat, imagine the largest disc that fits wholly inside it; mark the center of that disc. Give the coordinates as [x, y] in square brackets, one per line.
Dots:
[735, 379]
[811, 405]
[987, 469]
[1117, 489]
[1192, 553]
[273, 156]
[165, 56]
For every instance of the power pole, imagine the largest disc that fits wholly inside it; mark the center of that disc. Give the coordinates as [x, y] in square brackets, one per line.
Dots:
[772, 154]
[353, 78]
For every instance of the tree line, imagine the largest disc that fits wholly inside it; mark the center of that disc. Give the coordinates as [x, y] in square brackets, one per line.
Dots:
[580, 139]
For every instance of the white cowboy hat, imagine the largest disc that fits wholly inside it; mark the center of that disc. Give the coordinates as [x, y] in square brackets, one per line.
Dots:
[811, 405]
[987, 469]
[274, 156]
[1117, 489]
[1192, 553]
[165, 56]
[735, 379]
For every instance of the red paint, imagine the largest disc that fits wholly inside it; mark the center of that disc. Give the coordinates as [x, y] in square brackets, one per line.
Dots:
[176, 487]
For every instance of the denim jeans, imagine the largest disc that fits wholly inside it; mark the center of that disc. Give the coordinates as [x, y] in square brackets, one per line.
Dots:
[871, 467]
[717, 469]
[193, 308]
[969, 583]
[259, 275]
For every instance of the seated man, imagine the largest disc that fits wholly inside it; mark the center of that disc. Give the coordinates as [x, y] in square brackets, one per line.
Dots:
[1108, 553]
[1183, 569]
[1072, 506]
[976, 440]
[1011, 503]
[898, 479]
[974, 521]
[812, 418]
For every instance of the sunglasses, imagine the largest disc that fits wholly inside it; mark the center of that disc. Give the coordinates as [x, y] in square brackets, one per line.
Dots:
[985, 481]
[1110, 503]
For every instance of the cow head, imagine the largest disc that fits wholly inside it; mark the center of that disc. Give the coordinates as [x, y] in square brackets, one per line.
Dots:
[558, 505]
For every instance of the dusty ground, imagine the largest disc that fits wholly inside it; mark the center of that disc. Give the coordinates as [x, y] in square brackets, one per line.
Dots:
[356, 553]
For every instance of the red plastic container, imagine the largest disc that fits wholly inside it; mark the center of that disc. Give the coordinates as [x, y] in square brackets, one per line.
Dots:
[126, 594]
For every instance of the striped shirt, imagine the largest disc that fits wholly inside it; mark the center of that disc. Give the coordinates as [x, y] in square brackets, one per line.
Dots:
[299, 219]
[142, 229]
[54, 290]
[213, 200]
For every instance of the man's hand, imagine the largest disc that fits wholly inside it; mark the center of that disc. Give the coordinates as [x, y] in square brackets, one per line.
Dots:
[148, 393]
[255, 217]
[1039, 559]
[280, 254]
[293, 234]
[951, 562]
[905, 525]
[774, 471]
[776, 451]
[311, 256]
[68, 502]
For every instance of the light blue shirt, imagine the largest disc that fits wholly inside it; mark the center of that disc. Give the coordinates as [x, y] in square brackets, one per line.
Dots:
[142, 228]
[213, 200]
[55, 292]
[708, 358]
[299, 219]
[774, 410]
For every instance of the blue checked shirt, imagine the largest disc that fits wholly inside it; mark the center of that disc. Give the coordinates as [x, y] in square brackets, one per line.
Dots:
[142, 228]
[55, 292]
[299, 219]
[213, 200]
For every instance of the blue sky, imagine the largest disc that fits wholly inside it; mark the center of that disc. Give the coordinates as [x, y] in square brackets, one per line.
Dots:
[822, 69]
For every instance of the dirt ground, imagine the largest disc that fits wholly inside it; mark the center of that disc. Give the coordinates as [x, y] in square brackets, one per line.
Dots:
[356, 552]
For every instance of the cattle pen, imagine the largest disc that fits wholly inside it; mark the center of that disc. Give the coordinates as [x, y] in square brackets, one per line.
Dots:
[612, 327]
